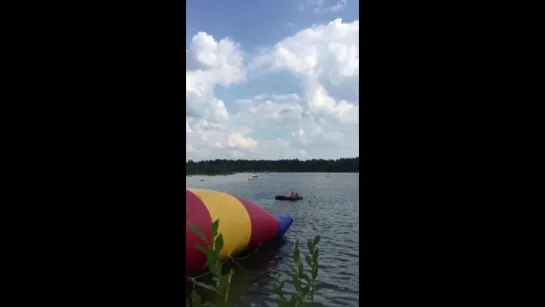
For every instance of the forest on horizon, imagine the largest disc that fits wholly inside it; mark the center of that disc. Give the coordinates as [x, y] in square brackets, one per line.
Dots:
[224, 167]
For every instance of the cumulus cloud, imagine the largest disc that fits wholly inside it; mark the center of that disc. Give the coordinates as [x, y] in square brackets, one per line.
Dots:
[211, 63]
[318, 121]
[326, 58]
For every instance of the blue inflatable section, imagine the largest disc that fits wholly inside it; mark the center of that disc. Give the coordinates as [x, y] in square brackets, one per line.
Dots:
[284, 223]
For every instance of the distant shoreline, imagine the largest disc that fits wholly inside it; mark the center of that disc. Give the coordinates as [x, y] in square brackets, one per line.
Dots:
[230, 167]
[283, 172]
[208, 174]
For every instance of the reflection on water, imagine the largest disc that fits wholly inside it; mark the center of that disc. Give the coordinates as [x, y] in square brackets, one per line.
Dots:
[330, 208]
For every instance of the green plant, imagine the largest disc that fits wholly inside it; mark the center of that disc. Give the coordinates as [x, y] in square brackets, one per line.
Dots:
[303, 282]
[214, 265]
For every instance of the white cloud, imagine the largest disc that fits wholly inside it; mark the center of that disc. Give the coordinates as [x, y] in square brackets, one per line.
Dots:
[323, 6]
[326, 58]
[324, 54]
[211, 63]
[319, 121]
[220, 62]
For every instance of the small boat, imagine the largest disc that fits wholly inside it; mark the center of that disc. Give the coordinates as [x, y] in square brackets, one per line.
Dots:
[327, 175]
[254, 176]
[287, 197]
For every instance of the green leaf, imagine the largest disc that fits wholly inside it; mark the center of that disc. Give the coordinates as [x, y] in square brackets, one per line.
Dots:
[306, 290]
[196, 299]
[219, 243]
[213, 264]
[215, 226]
[316, 240]
[309, 245]
[208, 287]
[296, 283]
[315, 254]
[314, 273]
[299, 269]
[196, 230]
[281, 301]
[210, 259]
[296, 252]
[202, 249]
[227, 288]
[279, 285]
[308, 260]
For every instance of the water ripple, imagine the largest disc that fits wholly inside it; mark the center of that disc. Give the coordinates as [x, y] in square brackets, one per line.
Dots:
[330, 208]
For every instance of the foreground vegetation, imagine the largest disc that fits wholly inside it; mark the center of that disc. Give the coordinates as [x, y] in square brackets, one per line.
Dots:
[226, 167]
[303, 280]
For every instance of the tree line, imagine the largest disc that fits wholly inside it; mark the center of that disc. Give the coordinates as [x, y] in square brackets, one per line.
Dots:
[218, 166]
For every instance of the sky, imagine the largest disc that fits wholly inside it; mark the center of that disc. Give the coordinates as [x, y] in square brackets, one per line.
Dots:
[272, 79]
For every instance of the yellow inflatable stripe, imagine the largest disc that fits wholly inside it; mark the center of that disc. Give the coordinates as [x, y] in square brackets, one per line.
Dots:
[235, 224]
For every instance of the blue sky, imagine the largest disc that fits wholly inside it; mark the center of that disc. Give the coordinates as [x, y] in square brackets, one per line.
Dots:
[258, 22]
[248, 64]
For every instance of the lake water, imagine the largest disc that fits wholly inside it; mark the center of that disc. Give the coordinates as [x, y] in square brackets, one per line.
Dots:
[330, 209]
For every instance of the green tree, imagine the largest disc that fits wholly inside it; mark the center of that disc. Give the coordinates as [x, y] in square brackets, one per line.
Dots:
[226, 167]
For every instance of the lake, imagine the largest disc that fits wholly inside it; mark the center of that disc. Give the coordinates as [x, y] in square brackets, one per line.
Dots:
[330, 209]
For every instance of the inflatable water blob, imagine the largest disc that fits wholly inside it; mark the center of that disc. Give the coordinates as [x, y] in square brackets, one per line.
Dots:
[243, 224]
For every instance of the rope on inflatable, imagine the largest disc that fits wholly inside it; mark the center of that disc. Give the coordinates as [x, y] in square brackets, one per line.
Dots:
[247, 256]
[194, 279]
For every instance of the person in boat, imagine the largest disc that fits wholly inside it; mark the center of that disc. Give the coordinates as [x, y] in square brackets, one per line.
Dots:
[296, 194]
[292, 194]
